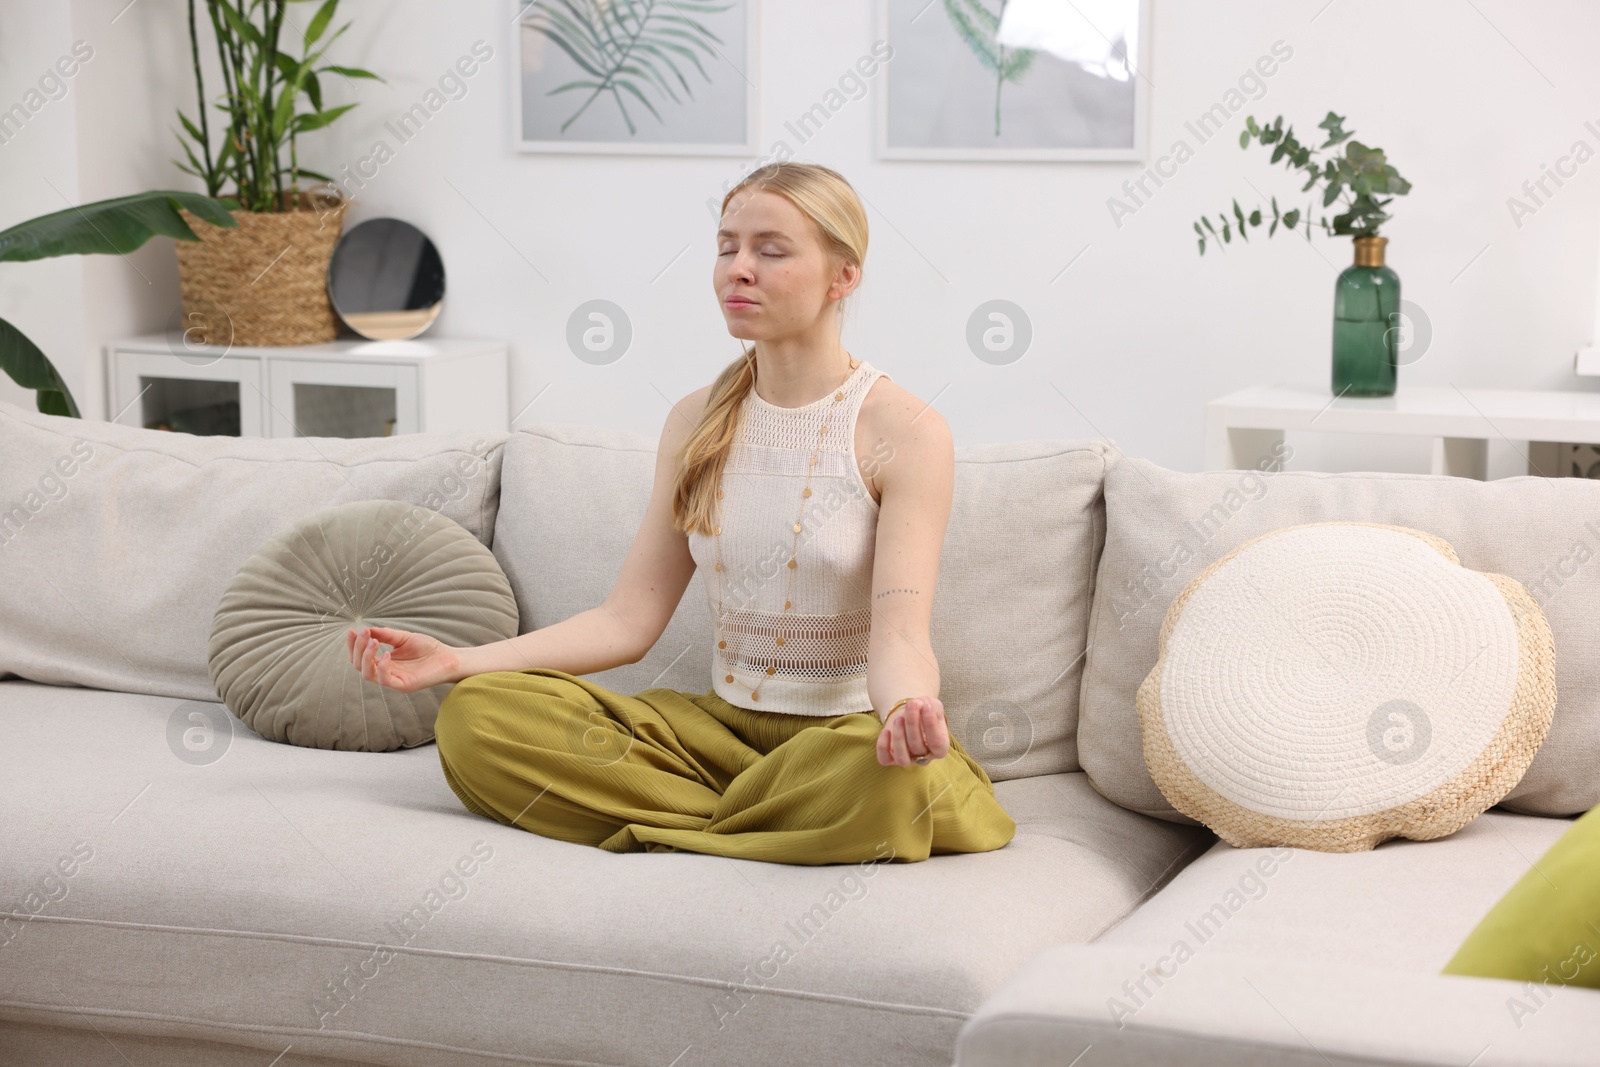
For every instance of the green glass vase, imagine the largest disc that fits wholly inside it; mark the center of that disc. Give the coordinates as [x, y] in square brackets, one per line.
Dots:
[1366, 319]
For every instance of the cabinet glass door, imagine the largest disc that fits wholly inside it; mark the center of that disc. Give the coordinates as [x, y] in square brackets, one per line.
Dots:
[163, 391]
[341, 399]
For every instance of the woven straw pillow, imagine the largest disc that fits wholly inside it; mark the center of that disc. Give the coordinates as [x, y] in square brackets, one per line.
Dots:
[277, 647]
[1332, 685]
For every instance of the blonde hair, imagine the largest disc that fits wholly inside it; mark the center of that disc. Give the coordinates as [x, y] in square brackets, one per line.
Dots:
[830, 202]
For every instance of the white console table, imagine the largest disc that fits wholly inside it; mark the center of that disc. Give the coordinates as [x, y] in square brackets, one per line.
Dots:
[343, 388]
[1246, 428]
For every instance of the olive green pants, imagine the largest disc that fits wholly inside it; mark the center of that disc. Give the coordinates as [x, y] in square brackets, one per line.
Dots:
[665, 771]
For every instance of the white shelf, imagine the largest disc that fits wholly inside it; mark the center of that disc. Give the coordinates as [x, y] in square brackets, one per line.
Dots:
[416, 350]
[1246, 428]
[346, 388]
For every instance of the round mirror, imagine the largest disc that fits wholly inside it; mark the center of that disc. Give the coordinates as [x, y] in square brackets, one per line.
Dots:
[386, 279]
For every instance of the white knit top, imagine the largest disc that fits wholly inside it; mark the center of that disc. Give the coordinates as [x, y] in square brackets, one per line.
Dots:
[821, 666]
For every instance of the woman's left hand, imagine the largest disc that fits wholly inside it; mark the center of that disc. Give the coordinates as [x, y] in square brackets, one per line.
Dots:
[916, 728]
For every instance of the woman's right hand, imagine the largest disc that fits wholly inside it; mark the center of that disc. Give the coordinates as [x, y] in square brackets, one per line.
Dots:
[416, 661]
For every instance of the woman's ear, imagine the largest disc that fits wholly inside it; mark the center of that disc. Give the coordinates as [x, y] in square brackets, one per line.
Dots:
[843, 281]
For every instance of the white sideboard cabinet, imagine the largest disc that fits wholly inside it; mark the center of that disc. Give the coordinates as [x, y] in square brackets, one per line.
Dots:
[344, 388]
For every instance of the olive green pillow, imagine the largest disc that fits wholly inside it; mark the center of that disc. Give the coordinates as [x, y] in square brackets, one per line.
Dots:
[1547, 927]
[277, 647]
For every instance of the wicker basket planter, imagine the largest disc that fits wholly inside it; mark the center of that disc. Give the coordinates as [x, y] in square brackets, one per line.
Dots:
[265, 283]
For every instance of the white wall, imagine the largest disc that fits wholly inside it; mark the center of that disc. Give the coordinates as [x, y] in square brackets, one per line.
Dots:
[1469, 100]
[39, 175]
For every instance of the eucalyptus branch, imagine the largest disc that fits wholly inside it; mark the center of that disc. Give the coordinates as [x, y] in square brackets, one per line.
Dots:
[1361, 173]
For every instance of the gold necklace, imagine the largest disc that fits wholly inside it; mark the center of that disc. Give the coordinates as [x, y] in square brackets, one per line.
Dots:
[798, 525]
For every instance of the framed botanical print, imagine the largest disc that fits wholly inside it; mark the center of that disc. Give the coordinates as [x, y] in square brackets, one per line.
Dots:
[1014, 79]
[635, 76]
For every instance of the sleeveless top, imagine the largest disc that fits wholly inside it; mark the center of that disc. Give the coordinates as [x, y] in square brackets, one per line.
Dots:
[820, 665]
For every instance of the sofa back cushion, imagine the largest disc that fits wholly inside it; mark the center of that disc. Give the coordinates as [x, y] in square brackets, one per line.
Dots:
[116, 542]
[1010, 609]
[1163, 527]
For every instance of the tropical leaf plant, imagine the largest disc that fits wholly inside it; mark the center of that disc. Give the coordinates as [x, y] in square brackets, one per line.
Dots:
[115, 226]
[262, 87]
[978, 26]
[1362, 173]
[627, 47]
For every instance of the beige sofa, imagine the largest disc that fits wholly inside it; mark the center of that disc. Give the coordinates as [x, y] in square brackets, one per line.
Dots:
[176, 890]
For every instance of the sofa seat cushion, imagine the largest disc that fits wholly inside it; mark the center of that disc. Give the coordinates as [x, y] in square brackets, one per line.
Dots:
[1277, 956]
[1405, 904]
[1229, 1010]
[345, 903]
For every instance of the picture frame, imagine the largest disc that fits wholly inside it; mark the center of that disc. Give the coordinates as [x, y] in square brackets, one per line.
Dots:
[569, 96]
[943, 96]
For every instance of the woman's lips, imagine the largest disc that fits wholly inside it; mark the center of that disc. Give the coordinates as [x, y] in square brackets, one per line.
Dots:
[738, 302]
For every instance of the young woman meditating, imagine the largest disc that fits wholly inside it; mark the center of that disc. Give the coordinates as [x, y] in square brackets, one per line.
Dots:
[812, 493]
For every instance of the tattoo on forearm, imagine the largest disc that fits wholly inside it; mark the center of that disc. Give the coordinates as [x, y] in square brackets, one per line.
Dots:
[886, 592]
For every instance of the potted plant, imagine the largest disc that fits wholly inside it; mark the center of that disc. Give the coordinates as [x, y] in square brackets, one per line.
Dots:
[264, 280]
[1366, 301]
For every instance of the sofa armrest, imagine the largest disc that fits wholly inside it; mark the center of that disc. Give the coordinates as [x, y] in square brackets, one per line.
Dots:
[1213, 1008]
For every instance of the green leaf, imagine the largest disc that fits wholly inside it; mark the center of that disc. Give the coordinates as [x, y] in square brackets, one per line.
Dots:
[21, 359]
[1331, 194]
[1291, 217]
[319, 22]
[1210, 227]
[282, 111]
[1255, 217]
[351, 72]
[199, 168]
[194, 131]
[317, 119]
[240, 25]
[118, 225]
[1199, 231]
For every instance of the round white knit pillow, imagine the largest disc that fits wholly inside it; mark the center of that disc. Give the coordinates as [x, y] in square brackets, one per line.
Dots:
[1332, 685]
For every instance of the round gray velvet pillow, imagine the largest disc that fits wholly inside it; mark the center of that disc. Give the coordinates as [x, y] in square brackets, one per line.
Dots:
[277, 647]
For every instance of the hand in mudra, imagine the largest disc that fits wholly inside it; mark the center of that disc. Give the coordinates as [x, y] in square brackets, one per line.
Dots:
[416, 661]
[916, 728]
